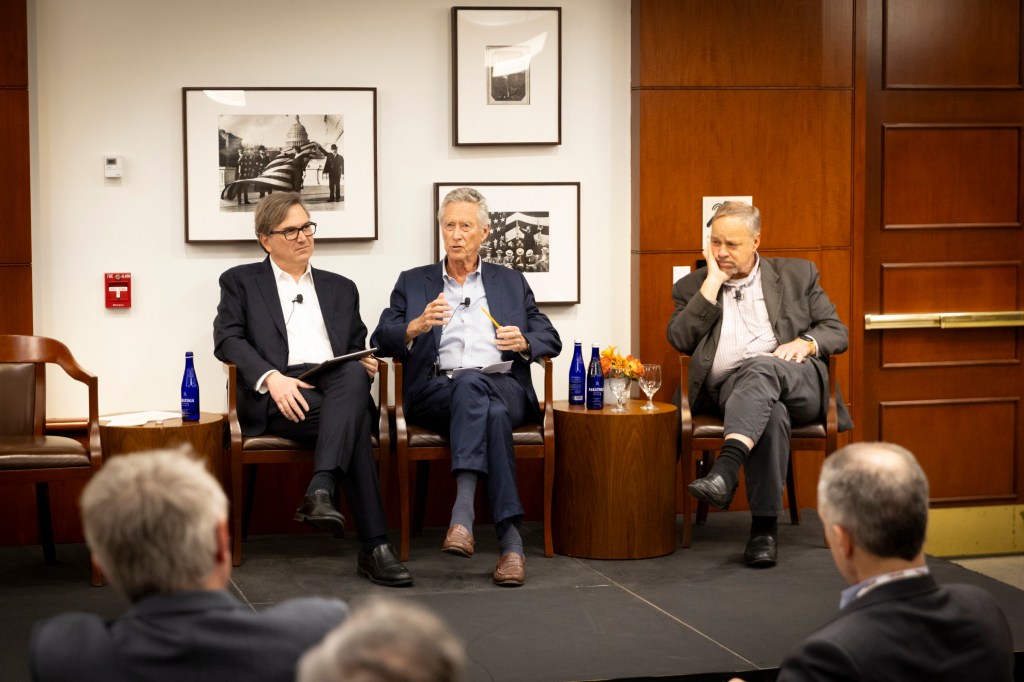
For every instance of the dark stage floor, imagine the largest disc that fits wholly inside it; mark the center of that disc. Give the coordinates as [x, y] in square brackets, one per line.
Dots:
[697, 614]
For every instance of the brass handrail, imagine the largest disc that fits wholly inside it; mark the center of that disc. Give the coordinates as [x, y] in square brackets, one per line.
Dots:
[1004, 318]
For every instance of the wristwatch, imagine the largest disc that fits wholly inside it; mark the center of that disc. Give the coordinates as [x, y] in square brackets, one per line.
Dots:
[814, 344]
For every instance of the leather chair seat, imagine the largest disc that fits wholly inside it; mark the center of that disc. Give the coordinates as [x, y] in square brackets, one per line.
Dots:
[705, 426]
[271, 442]
[527, 434]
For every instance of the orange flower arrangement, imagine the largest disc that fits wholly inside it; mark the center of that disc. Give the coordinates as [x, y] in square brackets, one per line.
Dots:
[610, 359]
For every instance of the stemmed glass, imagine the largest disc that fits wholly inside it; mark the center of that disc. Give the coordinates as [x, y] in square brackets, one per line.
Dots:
[650, 382]
[618, 382]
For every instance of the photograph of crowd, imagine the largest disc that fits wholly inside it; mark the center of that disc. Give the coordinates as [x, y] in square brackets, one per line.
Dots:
[520, 240]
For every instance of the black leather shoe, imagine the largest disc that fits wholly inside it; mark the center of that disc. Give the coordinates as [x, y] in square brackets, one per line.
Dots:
[713, 490]
[762, 551]
[318, 511]
[382, 566]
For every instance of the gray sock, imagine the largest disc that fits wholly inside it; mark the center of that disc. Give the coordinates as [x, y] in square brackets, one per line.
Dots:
[322, 479]
[465, 491]
[509, 539]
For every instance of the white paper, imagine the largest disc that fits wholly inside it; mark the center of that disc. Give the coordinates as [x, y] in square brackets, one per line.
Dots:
[489, 369]
[139, 418]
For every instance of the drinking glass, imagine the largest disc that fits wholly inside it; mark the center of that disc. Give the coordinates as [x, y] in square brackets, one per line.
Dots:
[618, 382]
[650, 382]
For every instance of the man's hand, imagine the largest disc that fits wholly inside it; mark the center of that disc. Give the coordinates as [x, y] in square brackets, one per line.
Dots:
[436, 314]
[716, 276]
[285, 393]
[510, 338]
[369, 363]
[796, 350]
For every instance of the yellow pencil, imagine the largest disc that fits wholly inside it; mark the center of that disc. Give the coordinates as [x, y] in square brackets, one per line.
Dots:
[493, 321]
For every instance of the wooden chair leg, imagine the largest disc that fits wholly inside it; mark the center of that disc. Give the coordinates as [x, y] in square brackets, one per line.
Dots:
[794, 509]
[549, 487]
[237, 502]
[45, 522]
[685, 466]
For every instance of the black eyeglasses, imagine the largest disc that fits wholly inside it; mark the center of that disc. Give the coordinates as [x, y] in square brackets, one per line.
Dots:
[292, 233]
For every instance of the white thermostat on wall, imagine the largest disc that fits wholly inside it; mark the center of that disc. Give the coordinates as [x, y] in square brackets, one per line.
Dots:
[112, 167]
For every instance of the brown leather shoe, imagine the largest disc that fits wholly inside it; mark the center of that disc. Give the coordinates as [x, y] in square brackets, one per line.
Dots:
[511, 570]
[458, 541]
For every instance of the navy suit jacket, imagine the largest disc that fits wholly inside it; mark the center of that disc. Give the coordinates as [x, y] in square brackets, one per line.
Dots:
[796, 305]
[909, 629]
[249, 330]
[509, 300]
[195, 636]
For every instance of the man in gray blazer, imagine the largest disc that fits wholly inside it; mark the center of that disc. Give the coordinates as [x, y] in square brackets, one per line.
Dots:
[895, 622]
[156, 523]
[760, 331]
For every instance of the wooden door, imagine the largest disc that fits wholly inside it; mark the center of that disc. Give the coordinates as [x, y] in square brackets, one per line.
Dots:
[943, 237]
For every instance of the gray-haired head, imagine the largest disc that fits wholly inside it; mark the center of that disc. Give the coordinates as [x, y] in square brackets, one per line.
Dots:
[151, 520]
[467, 194]
[879, 494]
[750, 216]
[387, 641]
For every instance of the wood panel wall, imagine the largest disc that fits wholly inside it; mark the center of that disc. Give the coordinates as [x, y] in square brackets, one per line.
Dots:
[944, 148]
[751, 98]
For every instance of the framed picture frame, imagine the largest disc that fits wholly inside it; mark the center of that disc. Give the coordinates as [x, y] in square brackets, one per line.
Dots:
[535, 229]
[506, 75]
[243, 143]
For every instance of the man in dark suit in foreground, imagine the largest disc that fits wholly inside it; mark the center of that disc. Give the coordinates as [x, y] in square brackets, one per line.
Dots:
[895, 622]
[760, 331]
[462, 313]
[156, 523]
[278, 318]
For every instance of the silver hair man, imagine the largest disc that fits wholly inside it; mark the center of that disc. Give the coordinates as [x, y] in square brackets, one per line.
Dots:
[750, 215]
[151, 522]
[879, 494]
[387, 641]
[483, 217]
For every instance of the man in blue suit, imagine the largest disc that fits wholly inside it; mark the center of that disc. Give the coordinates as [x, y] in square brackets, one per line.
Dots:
[464, 313]
[157, 525]
[275, 320]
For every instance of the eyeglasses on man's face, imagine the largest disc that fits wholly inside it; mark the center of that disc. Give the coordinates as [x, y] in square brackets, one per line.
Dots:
[292, 233]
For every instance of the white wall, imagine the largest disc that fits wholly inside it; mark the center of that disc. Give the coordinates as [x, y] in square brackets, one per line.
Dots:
[106, 78]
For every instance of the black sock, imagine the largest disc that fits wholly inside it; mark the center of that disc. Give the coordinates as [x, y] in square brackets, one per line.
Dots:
[371, 544]
[730, 459]
[322, 480]
[764, 525]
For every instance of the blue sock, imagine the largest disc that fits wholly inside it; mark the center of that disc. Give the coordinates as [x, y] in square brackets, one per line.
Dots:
[509, 539]
[465, 491]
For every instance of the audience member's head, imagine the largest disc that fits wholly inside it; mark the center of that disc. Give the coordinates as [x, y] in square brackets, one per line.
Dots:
[877, 494]
[387, 641]
[156, 522]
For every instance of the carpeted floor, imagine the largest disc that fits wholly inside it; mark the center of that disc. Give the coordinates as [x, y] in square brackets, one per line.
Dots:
[697, 614]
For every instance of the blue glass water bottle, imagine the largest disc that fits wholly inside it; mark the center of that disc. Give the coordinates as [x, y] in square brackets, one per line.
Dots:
[189, 392]
[595, 381]
[577, 376]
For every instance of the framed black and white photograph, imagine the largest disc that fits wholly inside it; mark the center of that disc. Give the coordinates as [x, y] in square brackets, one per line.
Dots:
[535, 229]
[506, 75]
[244, 144]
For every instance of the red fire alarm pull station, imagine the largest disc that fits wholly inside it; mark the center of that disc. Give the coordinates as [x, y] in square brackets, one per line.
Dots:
[117, 289]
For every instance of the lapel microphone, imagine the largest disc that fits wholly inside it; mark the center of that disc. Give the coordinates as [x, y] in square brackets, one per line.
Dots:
[297, 299]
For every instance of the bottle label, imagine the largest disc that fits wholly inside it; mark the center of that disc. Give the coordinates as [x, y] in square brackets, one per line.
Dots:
[576, 391]
[595, 397]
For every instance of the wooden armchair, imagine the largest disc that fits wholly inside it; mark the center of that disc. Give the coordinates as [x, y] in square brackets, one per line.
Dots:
[416, 444]
[27, 454]
[703, 434]
[246, 452]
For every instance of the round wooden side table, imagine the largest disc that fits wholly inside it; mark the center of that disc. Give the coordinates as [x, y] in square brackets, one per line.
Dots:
[615, 495]
[206, 436]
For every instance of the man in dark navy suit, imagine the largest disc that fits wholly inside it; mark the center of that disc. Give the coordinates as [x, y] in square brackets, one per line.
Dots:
[466, 313]
[275, 320]
[157, 526]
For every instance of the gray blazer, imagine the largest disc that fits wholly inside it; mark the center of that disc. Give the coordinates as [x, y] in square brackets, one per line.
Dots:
[796, 305]
[195, 636]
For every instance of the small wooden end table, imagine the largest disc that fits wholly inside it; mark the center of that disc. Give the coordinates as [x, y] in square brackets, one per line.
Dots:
[206, 436]
[615, 495]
